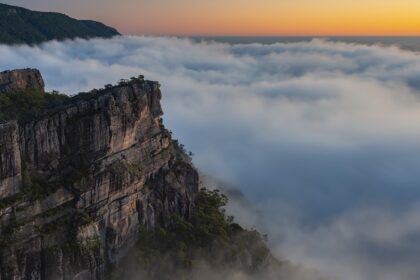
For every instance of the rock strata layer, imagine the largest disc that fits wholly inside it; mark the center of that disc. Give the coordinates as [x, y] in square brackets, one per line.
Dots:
[78, 182]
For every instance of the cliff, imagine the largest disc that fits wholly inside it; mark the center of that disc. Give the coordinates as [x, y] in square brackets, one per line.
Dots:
[23, 26]
[21, 80]
[78, 180]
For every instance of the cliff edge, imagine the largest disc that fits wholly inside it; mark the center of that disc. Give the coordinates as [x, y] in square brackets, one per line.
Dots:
[94, 187]
[80, 179]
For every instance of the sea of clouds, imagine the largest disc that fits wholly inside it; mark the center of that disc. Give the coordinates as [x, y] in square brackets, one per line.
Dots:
[322, 138]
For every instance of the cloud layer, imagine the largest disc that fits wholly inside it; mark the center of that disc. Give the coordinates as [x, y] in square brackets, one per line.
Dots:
[322, 137]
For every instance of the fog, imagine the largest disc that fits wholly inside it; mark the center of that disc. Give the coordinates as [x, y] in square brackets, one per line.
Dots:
[321, 138]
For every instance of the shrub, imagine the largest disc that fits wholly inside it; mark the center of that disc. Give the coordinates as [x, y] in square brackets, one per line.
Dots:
[209, 237]
[24, 105]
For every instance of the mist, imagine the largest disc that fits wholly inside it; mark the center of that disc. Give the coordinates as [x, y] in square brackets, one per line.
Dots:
[321, 138]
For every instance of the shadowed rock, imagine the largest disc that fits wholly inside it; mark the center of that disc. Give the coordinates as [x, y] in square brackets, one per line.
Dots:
[79, 181]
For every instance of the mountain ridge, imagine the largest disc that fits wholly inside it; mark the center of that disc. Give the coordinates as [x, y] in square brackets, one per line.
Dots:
[23, 26]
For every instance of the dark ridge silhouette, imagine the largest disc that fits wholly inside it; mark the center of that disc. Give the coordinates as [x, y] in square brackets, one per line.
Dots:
[23, 26]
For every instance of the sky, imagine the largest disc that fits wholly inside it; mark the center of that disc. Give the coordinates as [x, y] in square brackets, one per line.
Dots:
[244, 17]
[322, 138]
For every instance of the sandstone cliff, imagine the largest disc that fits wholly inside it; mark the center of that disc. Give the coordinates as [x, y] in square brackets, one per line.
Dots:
[78, 181]
[21, 79]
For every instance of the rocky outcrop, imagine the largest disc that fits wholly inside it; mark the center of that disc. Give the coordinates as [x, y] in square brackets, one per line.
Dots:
[21, 80]
[78, 182]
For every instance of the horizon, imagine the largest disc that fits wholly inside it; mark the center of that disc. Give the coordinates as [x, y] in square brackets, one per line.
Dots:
[268, 19]
[123, 156]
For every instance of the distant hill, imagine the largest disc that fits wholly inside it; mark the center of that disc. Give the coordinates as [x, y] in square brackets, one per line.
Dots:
[23, 26]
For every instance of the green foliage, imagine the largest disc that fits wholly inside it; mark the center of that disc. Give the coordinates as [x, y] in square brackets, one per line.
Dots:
[83, 218]
[208, 221]
[18, 25]
[80, 173]
[39, 192]
[181, 148]
[34, 188]
[7, 234]
[8, 201]
[26, 104]
[209, 236]
[93, 244]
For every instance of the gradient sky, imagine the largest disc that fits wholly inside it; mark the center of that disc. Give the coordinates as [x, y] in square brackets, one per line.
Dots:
[244, 17]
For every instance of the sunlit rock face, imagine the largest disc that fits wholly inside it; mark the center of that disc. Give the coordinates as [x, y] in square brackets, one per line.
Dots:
[79, 181]
[21, 79]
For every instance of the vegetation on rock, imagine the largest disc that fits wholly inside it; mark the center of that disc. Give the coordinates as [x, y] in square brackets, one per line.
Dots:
[210, 238]
[34, 188]
[24, 105]
[19, 25]
[105, 192]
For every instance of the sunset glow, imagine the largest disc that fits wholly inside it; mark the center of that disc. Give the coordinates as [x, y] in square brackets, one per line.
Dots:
[246, 17]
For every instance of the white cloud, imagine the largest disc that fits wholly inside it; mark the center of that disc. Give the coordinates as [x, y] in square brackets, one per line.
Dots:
[323, 137]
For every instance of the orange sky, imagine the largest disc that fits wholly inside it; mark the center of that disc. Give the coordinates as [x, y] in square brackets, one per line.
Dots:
[245, 17]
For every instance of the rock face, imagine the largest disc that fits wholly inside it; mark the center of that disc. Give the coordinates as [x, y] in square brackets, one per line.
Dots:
[10, 163]
[77, 183]
[21, 79]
